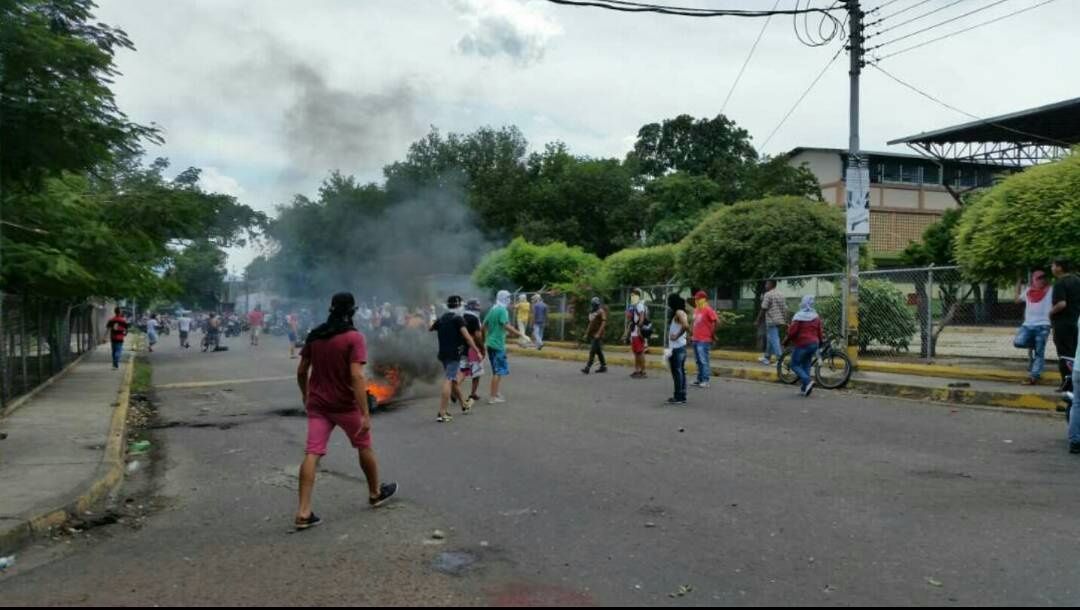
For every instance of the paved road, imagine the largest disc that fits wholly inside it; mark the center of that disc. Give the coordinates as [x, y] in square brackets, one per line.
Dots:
[754, 496]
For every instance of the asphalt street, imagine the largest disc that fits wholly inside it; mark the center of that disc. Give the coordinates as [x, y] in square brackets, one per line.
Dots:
[578, 491]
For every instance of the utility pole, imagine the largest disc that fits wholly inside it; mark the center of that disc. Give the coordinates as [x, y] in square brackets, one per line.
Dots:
[858, 187]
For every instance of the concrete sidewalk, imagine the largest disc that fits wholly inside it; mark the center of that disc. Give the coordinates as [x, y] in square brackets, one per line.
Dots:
[65, 448]
[917, 384]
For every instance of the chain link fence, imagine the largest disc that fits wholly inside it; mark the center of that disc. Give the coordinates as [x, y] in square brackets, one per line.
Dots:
[39, 337]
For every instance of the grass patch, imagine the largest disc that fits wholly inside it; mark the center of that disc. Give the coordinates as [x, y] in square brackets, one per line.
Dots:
[143, 379]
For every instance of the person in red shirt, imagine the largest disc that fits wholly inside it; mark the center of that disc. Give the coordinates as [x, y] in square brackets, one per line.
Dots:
[118, 327]
[705, 320]
[334, 391]
[805, 333]
[255, 321]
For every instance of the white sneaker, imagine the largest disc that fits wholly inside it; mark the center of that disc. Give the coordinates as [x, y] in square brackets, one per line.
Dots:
[765, 361]
[495, 400]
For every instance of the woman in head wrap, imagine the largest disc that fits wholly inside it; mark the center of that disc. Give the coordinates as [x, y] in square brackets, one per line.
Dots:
[1035, 331]
[805, 334]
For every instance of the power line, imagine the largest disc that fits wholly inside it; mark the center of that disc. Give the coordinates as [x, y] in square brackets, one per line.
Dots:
[748, 57]
[881, 6]
[937, 25]
[640, 7]
[968, 29]
[914, 19]
[802, 97]
[891, 15]
[964, 112]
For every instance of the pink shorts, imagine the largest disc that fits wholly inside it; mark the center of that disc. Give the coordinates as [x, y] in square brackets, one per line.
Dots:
[321, 424]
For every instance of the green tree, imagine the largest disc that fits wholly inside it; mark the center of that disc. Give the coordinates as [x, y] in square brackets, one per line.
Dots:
[775, 176]
[756, 239]
[58, 109]
[886, 321]
[524, 265]
[675, 204]
[1022, 222]
[198, 272]
[715, 147]
[936, 247]
[639, 267]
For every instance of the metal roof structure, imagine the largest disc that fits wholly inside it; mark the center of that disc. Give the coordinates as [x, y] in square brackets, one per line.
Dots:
[1028, 137]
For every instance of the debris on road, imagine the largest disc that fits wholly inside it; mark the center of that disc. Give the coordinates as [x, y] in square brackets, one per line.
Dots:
[438, 535]
[682, 591]
[934, 582]
[650, 524]
[139, 447]
[7, 562]
[133, 466]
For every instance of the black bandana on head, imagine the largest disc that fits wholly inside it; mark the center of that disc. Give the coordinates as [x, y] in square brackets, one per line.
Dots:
[342, 310]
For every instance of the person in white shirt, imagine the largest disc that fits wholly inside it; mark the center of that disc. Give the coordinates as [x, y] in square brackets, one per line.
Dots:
[183, 324]
[1035, 332]
[151, 330]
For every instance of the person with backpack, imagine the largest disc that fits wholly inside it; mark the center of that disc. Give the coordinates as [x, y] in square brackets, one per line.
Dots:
[454, 337]
[639, 329]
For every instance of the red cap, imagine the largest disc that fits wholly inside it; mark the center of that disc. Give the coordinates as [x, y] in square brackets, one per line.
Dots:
[701, 295]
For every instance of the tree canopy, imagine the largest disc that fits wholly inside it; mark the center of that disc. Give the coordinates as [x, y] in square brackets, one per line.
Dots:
[757, 239]
[524, 265]
[1022, 222]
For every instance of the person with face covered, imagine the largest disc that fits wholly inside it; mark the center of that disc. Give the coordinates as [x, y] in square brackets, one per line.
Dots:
[806, 335]
[637, 316]
[454, 338]
[472, 366]
[1035, 332]
[496, 326]
[595, 334]
[705, 320]
[334, 391]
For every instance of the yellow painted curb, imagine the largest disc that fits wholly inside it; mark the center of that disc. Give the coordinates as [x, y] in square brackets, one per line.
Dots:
[964, 396]
[111, 473]
[941, 371]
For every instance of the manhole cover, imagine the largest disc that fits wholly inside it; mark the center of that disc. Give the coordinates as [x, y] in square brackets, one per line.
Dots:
[454, 562]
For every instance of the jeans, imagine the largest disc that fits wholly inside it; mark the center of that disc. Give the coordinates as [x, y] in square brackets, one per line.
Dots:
[538, 334]
[1034, 337]
[597, 351]
[772, 333]
[1074, 413]
[677, 362]
[800, 362]
[1065, 336]
[701, 354]
[117, 350]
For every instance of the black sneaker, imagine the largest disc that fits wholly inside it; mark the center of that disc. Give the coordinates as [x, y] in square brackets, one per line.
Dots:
[809, 388]
[675, 401]
[386, 491]
[585, 370]
[1074, 447]
[311, 521]
[602, 369]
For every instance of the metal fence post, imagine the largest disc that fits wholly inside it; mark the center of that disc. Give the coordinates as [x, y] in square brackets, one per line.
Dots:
[562, 318]
[930, 299]
[24, 347]
[40, 325]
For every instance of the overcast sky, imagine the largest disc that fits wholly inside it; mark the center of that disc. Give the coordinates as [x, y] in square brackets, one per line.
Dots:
[268, 96]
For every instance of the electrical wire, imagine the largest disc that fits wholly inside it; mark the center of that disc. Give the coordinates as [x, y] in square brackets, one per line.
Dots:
[937, 25]
[958, 32]
[891, 15]
[748, 57]
[881, 6]
[802, 97]
[964, 112]
[641, 7]
[914, 19]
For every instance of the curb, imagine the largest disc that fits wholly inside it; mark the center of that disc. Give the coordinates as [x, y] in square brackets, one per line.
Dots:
[25, 398]
[897, 368]
[1028, 402]
[109, 475]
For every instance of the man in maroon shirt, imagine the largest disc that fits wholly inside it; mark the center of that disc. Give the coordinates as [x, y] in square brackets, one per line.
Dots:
[255, 322]
[118, 327]
[334, 390]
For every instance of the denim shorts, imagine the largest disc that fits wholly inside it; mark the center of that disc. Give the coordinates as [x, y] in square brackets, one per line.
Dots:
[500, 366]
[451, 368]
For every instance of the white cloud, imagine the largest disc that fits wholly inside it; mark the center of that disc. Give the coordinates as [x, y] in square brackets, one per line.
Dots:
[505, 27]
[213, 181]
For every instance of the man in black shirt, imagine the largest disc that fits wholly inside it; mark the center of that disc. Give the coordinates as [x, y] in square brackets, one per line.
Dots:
[1065, 312]
[453, 338]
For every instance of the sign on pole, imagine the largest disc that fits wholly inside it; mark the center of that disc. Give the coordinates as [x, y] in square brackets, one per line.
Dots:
[858, 205]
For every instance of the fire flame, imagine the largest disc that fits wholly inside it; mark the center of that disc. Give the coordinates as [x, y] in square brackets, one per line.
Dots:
[385, 390]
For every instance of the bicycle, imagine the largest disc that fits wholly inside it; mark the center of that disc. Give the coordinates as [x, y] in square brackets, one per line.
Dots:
[832, 367]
